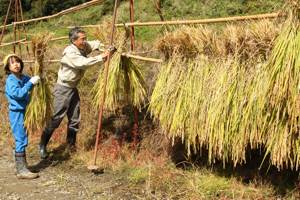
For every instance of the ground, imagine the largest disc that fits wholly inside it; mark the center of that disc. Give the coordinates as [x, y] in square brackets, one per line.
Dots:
[60, 182]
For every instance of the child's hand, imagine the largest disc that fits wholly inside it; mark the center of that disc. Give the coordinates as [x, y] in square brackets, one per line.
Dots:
[35, 80]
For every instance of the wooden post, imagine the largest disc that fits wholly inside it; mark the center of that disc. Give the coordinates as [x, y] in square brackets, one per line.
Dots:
[15, 31]
[64, 12]
[28, 54]
[132, 28]
[159, 12]
[133, 50]
[19, 34]
[5, 21]
[104, 87]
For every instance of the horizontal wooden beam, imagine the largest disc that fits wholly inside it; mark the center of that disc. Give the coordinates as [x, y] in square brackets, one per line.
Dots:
[27, 42]
[123, 54]
[64, 12]
[142, 58]
[202, 21]
[32, 61]
[11, 43]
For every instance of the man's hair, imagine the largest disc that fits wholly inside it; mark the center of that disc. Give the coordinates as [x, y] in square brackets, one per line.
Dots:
[74, 33]
[17, 59]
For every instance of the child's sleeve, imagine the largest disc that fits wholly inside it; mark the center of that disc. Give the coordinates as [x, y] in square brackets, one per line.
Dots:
[16, 91]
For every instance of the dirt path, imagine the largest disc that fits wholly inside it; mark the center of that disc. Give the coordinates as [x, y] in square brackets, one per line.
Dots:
[59, 182]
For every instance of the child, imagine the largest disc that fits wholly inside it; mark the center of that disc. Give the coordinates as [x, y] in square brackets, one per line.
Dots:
[17, 90]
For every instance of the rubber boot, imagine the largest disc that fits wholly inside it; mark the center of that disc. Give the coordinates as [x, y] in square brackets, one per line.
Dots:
[22, 171]
[71, 140]
[42, 146]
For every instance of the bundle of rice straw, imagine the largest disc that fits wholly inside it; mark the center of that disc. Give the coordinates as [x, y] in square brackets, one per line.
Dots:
[39, 109]
[212, 92]
[125, 80]
[243, 40]
[281, 102]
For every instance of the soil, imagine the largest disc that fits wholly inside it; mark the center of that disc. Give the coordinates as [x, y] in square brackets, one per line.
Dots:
[60, 182]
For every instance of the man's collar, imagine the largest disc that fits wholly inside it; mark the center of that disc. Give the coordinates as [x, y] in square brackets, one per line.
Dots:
[81, 51]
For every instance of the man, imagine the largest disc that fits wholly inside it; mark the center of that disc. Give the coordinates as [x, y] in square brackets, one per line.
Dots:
[66, 98]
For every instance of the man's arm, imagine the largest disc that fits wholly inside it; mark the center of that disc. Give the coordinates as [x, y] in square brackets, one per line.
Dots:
[94, 45]
[78, 61]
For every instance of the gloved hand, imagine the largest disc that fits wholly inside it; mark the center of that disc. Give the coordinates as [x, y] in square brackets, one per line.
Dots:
[35, 80]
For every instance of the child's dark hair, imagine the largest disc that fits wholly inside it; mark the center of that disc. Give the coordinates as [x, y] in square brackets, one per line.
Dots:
[17, 59]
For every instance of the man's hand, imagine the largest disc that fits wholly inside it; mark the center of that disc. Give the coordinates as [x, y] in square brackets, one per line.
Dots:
[35, 80]
[112, 50]
[104, 55]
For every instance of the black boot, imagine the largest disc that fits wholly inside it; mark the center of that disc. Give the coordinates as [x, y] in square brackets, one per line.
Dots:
[42, 146]
[71, 140]
[21, 166]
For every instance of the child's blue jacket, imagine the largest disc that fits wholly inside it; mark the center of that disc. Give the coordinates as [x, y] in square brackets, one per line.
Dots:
[17, 92]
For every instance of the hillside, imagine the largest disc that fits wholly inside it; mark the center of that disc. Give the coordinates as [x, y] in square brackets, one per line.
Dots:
[144, 11]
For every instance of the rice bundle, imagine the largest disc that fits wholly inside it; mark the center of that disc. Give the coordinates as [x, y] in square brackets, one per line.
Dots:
[39, 109]
[282, 94]
[187, 41]
[125, 79]
[211, 93]
[203, 102]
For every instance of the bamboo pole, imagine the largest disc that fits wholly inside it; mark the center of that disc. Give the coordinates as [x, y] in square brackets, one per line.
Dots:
[142, 58]
[24, 30]
[64, 12]
[202, 21]
[15, 19]
[11, 43]
[32, 61]
[143, 52]
[53, 39]
[132, 28]
[123, 54]
[160, 14]
[23, 41]
[94, 166]
[19, 33]
[133, 50]
[3, 27]
[48, 61]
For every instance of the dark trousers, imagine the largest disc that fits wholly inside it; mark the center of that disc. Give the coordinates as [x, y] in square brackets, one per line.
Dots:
[66, 101]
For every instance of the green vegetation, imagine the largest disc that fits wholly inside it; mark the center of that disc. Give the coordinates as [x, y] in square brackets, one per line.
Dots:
[144, 11]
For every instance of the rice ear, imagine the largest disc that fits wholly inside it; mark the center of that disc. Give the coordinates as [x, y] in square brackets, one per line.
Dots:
[125, 78]
[232, 91]
[39, 109]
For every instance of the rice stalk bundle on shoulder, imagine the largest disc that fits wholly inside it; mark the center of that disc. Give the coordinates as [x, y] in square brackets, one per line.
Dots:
[125, 79]
[39, 109]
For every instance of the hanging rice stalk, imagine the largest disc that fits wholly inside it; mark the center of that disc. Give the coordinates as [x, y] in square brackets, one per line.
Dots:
[125, 79]
[282, 94]
[211, 92]
[39, 109]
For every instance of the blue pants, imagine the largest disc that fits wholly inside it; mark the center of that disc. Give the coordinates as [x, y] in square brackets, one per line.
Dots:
[16, 119]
